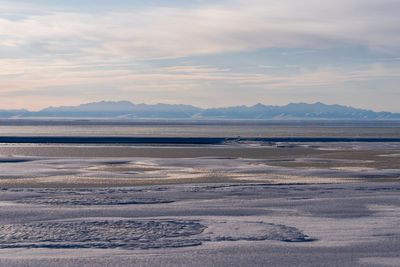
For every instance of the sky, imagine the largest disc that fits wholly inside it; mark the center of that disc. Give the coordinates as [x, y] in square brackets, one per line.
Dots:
[204, 53]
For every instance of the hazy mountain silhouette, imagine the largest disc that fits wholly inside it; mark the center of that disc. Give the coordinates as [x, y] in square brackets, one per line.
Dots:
[128, 110]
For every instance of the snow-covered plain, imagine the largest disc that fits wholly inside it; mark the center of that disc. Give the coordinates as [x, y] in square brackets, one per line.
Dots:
[328, 209]
[201, 225]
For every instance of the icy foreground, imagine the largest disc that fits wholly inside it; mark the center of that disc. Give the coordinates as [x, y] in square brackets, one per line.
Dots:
[202, 225]
[286, 205]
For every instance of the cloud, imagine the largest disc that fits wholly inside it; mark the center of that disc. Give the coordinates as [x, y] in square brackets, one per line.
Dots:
[175, 79]
[168, 32]
[115, 48]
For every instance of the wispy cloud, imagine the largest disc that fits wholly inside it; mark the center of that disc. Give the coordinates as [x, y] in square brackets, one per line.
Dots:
[163, 32]
[174, 81]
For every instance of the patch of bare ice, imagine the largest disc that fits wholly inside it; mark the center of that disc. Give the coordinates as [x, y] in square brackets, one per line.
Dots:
[128, 234]
[328, 160]
[381, 261]
[91, 200]
[395, 155]
[253, 231]
[140, 234]
[353, 169]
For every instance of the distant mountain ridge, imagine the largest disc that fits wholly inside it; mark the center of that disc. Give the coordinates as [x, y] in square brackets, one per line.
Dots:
[129, 110]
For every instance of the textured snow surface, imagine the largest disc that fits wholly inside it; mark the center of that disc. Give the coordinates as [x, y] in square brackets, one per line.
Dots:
[101, 234]
[334, 208]
[201, 225]
[142, 234]
[91, 200]
[255, 231]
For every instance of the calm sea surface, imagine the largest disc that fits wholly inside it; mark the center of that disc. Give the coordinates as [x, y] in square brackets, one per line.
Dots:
[370, 129]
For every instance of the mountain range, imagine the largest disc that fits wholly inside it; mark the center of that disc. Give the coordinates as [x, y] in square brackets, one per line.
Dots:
[129, 110]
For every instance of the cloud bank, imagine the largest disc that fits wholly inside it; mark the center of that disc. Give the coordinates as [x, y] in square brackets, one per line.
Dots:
[45, 47]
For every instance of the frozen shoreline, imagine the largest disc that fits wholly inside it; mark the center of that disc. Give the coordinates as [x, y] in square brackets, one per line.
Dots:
[116, 166]
[90, 227]
[283, 205]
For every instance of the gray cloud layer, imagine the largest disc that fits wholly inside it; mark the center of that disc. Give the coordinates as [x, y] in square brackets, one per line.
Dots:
[160, 32]
[44, 46]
